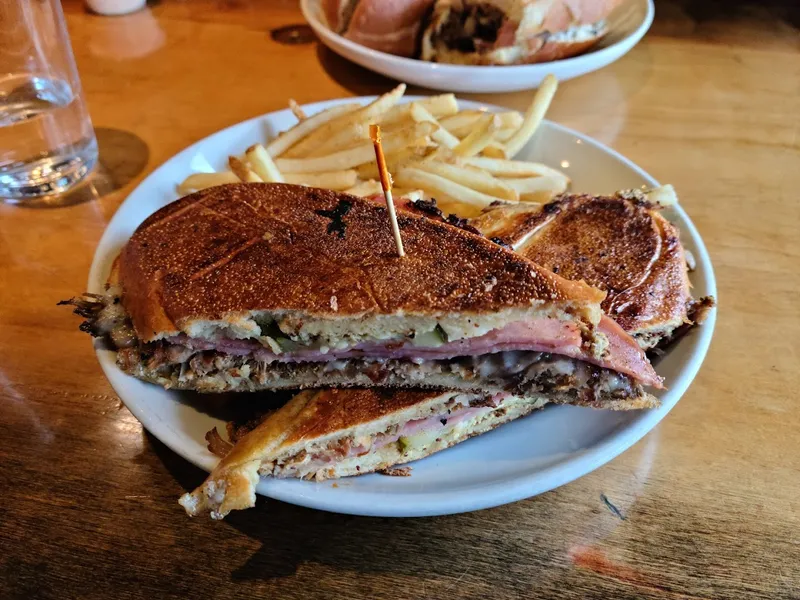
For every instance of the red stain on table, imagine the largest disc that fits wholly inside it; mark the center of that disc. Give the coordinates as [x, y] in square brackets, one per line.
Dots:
[594, 559]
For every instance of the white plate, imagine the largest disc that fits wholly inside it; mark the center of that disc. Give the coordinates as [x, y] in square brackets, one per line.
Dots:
[518, 460]
[627, 25]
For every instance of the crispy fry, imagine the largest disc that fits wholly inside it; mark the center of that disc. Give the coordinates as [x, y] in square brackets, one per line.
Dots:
[441, 136]
[533, 116]
[663, 195]
[505, 134]
[297, 110]
[479, 138]
[288, 138]
[494, 150]
[261, 163]
[461, 123]
[242, 171]
[359, 154]
[510, 120]
[347, 137]
[394, 160]
[366, 114]
[435, 184]
[475, 179]
[535, 189]
[514, 168]
[201, 181]
[438, 106]
[366, 188]
[330, 180]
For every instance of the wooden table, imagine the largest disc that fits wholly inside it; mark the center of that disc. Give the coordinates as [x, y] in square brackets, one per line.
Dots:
[706, 505]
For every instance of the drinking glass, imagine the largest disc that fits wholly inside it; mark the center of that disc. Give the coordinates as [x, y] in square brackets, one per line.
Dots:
[47, 143]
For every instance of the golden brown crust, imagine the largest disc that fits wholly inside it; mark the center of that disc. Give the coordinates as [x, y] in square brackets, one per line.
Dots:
[257, 246]
[312, 415]
[616, 243]
[231, 485]
[339, 409]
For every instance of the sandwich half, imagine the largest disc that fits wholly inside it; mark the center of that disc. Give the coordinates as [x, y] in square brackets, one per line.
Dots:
[392, 26]
[510, 32]
[269, 286]
[620, 244]
[327, 434]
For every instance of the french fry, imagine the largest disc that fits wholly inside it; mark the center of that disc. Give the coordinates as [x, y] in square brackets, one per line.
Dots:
[330, 180]
[359, 154]
[514, 168]
[441, 136]
[365, 188]
[461, 123]
[479, 138]
[261, 163]
[345, 138]
[242, 171]
[366, 114]
[297, 110]
[435, 184]
[438, 106]
[201, 181]
[505, 134]
[494, 150]
[537, 189]
[510, 120]
[290, 137]
[533, 116]
[663, 195]
[394, 160]
[475, 179]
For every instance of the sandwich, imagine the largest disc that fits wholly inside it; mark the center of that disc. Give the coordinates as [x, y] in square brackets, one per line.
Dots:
[327, 434]
[620, 244]
[250, 287]
[512, 32]
[391, 26]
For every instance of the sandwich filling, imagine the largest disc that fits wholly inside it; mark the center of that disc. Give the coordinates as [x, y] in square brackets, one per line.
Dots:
[462, 416]
[485, 30]
[521, 358]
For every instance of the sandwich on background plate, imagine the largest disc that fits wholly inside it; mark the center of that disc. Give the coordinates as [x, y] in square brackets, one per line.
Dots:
[249, 287]
[473, 32]
[512, 32]
[391, 26]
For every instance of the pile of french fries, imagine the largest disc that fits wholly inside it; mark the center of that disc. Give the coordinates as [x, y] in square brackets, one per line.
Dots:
[462, 158]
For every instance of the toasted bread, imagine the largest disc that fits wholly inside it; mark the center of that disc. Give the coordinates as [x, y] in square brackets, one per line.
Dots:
[323, 266]
[619, 244]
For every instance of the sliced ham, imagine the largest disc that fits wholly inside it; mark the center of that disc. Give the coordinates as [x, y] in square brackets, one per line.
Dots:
[537, 335]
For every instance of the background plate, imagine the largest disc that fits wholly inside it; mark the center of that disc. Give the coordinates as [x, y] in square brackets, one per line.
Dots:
[627, 25]
[524, 458]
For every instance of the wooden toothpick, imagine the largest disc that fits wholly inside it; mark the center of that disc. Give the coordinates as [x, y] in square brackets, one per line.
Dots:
[386, 184]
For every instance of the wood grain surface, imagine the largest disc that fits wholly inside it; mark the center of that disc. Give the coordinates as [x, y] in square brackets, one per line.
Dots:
[705, 506]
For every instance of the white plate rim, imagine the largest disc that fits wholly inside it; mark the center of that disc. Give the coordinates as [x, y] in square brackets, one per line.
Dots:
[366, 503]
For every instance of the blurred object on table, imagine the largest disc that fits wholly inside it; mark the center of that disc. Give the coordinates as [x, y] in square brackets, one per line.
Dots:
[115, 7]
[127, 36]
[46, 139]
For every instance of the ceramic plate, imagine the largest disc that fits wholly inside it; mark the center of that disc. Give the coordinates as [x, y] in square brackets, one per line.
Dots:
[627, 25]
[540, 452]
